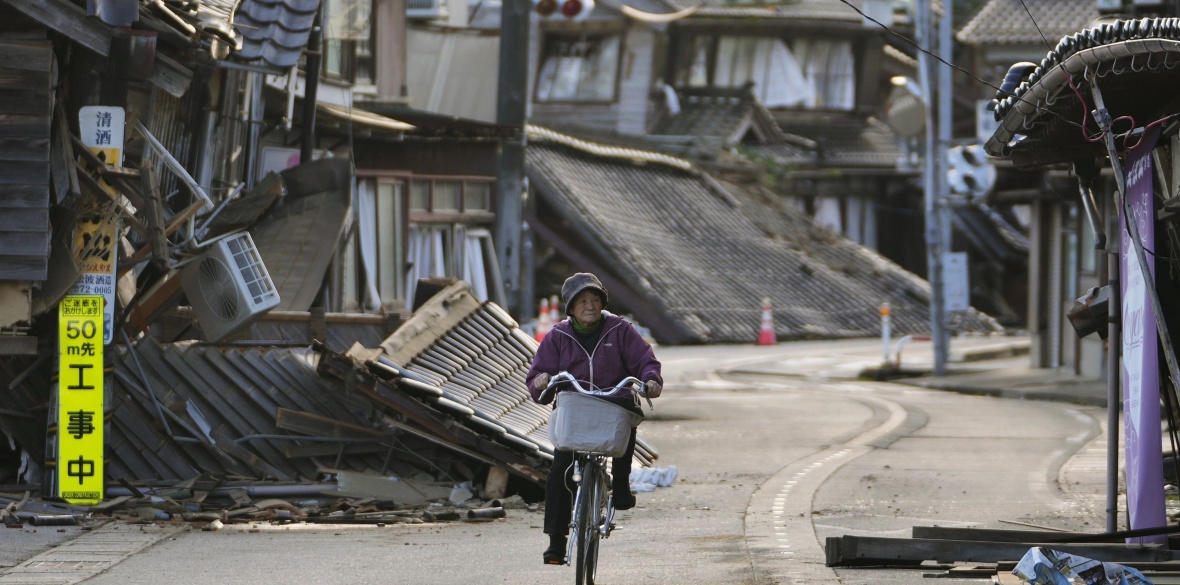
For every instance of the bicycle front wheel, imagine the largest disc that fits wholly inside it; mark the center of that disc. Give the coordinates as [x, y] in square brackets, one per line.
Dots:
[589, 507]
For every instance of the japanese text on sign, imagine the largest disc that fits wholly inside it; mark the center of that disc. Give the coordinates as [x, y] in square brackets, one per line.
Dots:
[80, 399]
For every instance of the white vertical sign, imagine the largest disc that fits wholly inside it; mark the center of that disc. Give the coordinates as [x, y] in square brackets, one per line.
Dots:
[102, 129]
[955, 285]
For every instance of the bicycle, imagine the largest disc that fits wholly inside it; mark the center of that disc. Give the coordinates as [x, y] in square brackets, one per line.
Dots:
[599, 430]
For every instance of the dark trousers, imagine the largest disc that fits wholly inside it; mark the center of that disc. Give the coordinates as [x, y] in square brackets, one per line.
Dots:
[560, 488]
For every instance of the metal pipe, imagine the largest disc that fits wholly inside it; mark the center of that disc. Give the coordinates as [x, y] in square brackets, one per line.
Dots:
[311, 439]
[1114, 344]
[315, 56]
[1086, 192]
[147, 384]
[254, 491]
[173, 164]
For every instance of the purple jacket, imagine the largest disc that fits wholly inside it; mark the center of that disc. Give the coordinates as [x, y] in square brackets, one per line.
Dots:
[621, 351]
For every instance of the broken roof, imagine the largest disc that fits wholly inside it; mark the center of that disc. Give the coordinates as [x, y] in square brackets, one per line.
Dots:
[440, 396]
[834, 141]
[695, 257]
[725, 113]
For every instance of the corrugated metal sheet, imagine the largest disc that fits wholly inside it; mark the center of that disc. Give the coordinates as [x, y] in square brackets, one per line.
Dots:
[704, 255]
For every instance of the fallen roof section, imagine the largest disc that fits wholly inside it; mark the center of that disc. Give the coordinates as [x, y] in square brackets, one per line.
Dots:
[437, 401]
[695, 258]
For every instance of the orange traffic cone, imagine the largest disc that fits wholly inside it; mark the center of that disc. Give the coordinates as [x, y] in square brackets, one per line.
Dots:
[544, 324]
[766, 335]
[554, 313]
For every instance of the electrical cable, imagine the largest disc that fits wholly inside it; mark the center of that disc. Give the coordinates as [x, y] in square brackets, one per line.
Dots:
[956, 67]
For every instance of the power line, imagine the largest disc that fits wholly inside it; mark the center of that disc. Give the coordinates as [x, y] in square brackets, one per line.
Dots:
[958, 68]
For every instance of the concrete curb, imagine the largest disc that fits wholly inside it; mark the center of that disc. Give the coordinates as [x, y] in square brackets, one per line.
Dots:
[995, 351]
[1050, 394]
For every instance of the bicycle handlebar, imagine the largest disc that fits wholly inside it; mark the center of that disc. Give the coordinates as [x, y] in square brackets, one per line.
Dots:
[563, 377]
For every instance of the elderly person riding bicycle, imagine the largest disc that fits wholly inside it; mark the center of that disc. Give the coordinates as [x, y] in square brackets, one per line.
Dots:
[603, 349]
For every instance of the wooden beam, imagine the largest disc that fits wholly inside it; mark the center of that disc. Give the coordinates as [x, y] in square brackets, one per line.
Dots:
[332, 449]
[999, 535]
[851, 551]
[69, 20]
[142, 253]
[316, 425]
[61, 164]
[92, 186]
[28, 55]
[153, 210]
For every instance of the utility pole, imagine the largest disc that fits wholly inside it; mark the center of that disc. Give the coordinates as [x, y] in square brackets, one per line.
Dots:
[938, 137]
[510, 111]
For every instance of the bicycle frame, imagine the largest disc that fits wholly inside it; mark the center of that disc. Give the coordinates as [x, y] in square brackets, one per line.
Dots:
[592, 516]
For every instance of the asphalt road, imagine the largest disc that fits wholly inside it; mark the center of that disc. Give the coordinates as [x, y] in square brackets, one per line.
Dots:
[768, 468]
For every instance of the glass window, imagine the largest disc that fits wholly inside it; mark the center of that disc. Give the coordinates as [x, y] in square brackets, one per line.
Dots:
[581, 68]
[420, 196]
[811, 73]
[477, 197]
[446, 196]
[390, 252]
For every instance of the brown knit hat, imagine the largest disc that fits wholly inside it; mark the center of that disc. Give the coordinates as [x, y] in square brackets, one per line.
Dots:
[578, 283]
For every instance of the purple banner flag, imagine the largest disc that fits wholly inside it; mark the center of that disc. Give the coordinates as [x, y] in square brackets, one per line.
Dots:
[1140, 371]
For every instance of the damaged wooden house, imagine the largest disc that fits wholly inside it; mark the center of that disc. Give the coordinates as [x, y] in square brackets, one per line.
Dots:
[195, 165]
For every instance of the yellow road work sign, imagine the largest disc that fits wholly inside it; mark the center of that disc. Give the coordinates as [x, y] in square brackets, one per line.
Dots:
[80, 400]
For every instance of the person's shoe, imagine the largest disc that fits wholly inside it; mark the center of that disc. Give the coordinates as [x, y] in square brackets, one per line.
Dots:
[555, 554]
[624, 499]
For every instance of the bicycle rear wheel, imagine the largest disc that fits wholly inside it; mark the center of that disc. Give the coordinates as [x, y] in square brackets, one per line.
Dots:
[589, 507]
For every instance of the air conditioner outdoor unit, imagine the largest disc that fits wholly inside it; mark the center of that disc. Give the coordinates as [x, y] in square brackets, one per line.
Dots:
[425, 9]
[228, 286]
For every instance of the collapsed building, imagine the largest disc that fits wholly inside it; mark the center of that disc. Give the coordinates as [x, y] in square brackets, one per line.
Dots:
[439, 402]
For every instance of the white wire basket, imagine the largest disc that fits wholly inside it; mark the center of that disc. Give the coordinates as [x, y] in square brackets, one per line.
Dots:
[590, 424]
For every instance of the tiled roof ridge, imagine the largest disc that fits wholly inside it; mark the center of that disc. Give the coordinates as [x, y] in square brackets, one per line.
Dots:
[539, 133]
[1126, 33]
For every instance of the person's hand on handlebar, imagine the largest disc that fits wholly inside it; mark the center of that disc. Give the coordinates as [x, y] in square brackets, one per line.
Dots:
[541, 381]
[653, 389]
